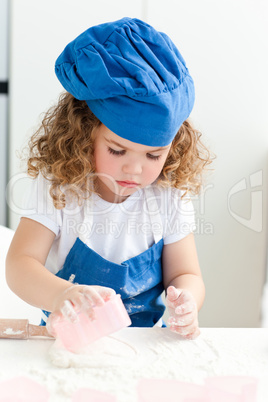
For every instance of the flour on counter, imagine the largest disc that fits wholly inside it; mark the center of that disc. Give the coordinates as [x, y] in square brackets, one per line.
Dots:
[140, 347]
[115, 364]
[106, 352]
[10, 331]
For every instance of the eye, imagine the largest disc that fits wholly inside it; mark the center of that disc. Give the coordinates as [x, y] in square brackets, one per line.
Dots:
[153, 157]
[114, 152]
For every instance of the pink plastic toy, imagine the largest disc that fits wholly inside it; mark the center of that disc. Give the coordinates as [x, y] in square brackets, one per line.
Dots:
[110, 317]
[159, 390]
[87, 394]
[232, 388]
[22, 389]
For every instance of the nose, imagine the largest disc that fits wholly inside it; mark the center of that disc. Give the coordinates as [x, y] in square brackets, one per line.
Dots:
[132, 167]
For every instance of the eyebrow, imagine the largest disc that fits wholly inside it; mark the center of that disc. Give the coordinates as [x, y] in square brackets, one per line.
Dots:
[121, 146]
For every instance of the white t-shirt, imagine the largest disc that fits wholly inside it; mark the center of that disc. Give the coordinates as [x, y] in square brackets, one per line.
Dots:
[117, 232]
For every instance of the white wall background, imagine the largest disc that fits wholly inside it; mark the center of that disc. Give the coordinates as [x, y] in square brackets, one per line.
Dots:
[225, 46]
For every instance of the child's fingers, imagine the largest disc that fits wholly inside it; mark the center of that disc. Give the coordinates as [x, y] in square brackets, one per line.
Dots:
[69, 311]
[194, 335]
[173, 293]
[92, 296]
[82, 298]
[106, 293]
[191, 335]
[182, 320]
[97, 295]
[180, 297]
[54, 317]
[185, 308]
[50, 324]
[183, 313]
[187, 331]
[174, 297]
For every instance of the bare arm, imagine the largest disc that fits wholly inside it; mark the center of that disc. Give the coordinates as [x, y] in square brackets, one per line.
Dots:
[26, 274]
[184, 286]
[181, 268]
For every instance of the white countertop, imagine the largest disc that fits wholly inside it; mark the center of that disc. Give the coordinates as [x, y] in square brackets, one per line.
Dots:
[217, 352]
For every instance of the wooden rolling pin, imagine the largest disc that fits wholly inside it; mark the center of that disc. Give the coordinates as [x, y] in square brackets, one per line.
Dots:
[21, 329]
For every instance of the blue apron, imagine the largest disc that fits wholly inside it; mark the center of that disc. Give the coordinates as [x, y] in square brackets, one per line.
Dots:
[138, 280]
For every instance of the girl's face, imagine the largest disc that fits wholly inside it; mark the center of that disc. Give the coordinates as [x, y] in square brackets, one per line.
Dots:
[122, 166]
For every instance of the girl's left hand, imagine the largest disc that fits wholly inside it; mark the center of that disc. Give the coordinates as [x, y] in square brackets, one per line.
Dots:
[183, 312]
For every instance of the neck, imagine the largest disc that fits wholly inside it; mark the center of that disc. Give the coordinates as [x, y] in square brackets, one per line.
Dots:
[107, 195]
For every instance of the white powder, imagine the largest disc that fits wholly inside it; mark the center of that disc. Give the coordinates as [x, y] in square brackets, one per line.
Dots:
[10, 331]
[140, 347]
[115, 364]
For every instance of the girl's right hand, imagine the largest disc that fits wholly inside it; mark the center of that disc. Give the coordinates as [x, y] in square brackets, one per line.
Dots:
[78, 298]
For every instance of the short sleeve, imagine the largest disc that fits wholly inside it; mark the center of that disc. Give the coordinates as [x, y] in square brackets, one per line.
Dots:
[38, 205]
[179, 217]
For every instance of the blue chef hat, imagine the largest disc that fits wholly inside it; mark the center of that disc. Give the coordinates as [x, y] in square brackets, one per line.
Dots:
[132, 77]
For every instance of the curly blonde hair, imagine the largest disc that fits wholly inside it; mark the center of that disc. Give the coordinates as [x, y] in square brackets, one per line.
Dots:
[62, 151]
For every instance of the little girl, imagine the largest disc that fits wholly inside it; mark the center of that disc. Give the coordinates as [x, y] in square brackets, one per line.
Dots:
[112, 164]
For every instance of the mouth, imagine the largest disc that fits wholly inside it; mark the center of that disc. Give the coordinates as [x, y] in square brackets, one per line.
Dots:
[126, 183]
